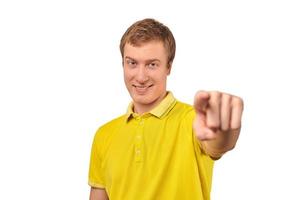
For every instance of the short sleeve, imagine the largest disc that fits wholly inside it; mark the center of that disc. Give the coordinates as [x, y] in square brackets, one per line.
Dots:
[189, 118]
[96, 170]
[199, 146]
[204, 161]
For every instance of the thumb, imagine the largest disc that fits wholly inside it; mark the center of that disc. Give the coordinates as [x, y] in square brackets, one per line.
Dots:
[199, 127]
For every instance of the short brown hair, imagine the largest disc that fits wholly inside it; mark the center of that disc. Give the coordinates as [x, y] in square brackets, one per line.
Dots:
[148, 30]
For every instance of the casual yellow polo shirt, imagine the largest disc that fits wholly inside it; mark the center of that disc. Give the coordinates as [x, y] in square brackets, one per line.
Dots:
[154, 156]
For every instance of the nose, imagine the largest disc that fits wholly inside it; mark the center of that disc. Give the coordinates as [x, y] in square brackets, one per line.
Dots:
[142, 75]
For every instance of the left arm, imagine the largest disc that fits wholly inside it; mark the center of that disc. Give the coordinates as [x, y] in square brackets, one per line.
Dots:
[218, 121]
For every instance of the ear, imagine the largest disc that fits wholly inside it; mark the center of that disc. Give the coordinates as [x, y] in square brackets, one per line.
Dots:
[169, 66]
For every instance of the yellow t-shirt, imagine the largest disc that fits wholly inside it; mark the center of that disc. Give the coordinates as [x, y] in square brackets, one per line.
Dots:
[154, 156]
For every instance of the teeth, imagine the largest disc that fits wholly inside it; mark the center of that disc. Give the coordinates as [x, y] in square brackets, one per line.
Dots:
[142, 89]
[141, 86]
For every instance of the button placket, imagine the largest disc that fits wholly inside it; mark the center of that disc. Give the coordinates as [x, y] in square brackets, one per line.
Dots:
[138, 140]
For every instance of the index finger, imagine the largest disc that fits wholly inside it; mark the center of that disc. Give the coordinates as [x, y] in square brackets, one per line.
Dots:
[201, 101]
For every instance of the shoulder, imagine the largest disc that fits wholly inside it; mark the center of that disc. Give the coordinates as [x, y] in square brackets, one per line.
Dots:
[106, 129]
[183, 109]
[113, 123]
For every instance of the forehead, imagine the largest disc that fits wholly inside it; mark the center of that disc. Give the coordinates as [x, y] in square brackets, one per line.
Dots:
[149, 50]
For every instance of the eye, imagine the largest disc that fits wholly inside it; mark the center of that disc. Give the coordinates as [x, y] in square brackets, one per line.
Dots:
[131, 63]
[152, 65]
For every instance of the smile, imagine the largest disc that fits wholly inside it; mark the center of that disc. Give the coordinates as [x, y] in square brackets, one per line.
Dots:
[142, 89]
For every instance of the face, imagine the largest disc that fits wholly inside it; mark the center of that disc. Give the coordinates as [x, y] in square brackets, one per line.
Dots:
[145, 74]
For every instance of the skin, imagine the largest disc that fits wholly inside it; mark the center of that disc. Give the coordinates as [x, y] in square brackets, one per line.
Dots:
[98, 194]
[145, 74]
[217, 123]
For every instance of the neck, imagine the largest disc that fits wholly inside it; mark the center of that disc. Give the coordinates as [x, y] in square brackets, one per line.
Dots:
[144, 108]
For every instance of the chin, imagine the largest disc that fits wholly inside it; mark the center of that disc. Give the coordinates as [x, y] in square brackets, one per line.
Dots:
[143, 99]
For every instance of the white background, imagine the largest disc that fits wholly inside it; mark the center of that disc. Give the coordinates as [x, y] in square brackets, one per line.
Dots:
[61, 78]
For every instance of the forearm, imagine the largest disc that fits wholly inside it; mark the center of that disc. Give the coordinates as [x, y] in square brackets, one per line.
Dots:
[98, 194]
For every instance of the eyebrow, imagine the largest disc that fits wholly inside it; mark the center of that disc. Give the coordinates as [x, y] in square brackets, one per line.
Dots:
[149, 60]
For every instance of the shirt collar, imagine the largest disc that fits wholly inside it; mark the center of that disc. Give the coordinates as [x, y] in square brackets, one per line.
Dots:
[159, 111]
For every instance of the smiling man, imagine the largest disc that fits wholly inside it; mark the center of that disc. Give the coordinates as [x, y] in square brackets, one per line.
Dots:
[161, 148]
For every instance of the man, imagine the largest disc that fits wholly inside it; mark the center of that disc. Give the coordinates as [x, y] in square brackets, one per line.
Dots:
[161, 148]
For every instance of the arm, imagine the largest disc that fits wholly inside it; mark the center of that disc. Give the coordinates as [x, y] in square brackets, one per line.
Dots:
[98, 194]
[218, 121]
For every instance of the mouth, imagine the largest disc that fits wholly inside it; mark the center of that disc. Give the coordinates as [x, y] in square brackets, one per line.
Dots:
[142, 89]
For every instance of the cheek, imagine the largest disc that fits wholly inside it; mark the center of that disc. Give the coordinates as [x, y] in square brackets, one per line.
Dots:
[128, 76]
[161, 78]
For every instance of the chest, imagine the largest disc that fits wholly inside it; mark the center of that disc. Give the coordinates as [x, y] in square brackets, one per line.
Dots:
[140, 151]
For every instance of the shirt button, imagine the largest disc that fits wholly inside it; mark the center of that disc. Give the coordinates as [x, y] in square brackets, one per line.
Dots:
[138, 151]
[139, 137]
